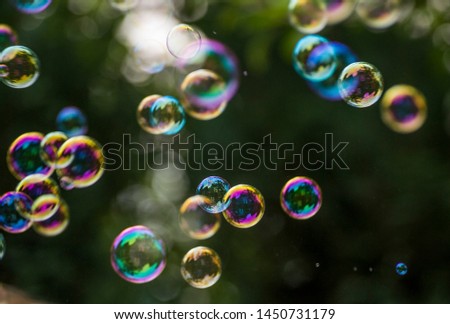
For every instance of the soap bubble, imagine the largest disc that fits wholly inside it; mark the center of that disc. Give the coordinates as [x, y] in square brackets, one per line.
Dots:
[214, 188]
[196, 222]
[138, 255]
[81, 160]
[50, 145]
[144, 113]
[11, 220]
[8, 37]
[379, 14]
[401, 269]
[245, 206]
[339, 10]
[403, 108]
[360, 84]
[183, 41]
[308, 16]
[22, 66]
[72, 122]
[301, 198]
[24, 158]
[201, 267]
[2, 246]
[56, 224]
[123, 5]
[31, 6]
[313, 58]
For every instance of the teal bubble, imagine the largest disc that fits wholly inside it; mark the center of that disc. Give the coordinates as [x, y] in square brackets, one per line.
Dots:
[214, 188]
[72, 122]
[31, 6]
[401, 269]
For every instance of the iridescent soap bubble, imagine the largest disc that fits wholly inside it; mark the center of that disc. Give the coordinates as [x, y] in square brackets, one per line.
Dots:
[379, 14]
[8, 37]
[72, 122]
[196, 222]
[245, 206]
[144, 113]
[183, 41]
[24, 158]
[201, 267]
[138, 255]
[50, 145]
[56, 224]
[313, 58]
[339, 10]
[360, 84]
[401, 269]
[328, 88]
[22, 66]
[308, 16]
[301, 198]
[44, 193]
[403, 108]
[2, 246]
[82, 159]
[123, 5]
[31, 6]
[214, 188]
[11, 220]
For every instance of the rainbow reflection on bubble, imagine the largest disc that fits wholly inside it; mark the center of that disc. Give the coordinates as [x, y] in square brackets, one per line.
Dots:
[71, 121]
[50, 145]
[360, 84]
[301, 198]
[8, 37]
[22, 66]
[24, 158]
[2, 246]
[245, 206]
[56, 224]
[308, 16]
[401, 269]
[85, 162]
[201, 267]
[339, 10]
[379, 14]
[11, 220]
[31, 6]
[196, 222]
[214, 188]
[403, 108]
[138, 255]
[313, 58]
[328, 88]
[183, 41]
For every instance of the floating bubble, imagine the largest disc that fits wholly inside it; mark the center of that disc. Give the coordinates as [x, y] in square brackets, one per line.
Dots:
[313, 58]
[401, 269]
[50, 145]
[301, 198]
[183, 41]
[31, 6]
[308, 16]
[8, 37]
[144, 114]
[379, 14]
[82, 159]
[2, 246]
[22, 67]
[72, 122]
[339, 10]
[44, 193]
[56, 224]
[11, 220]
[360, 84]
[24, 158]
[245, 206]
[138, 255]
[403, 108]
[196, 222]
[328, 88]
[214, 188]
[123, 5]
[201, 267]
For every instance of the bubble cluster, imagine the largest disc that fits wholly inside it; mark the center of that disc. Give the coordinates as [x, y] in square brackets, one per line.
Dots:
[21, 66]
[339, 10]
[56, 224]
[71, 121]
[401, 269]
[50, 145]
[11, 220]
[308, 16]
[379, 14]
[360, 84]
[403, 108]
[214, 188]
[195, 221]
[183, 41]
[31, 6]
[2, 246]
[8, 37]
[138, 255]
[201, 267]
[301, 198]
[246, 206]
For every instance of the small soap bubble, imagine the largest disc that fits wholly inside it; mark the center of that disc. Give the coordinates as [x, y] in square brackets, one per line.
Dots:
[138, 255]
[201, 267]
[11, 220]
[8, 37]
[379, 14]
[214, 188]
[23, 157]
[56, 224]
[301, 198]
[313, 58]
[401, 269]
[308, 16]
[196, 222]
[72, 122]
[2, 246]
[403, 108]
[31, 6]
[123, 5]
[22, 65]
[82, 159]
[245, 206]
[183, 41]
[144, 114]
[360, 84]
[339, 10]
[50, 145]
